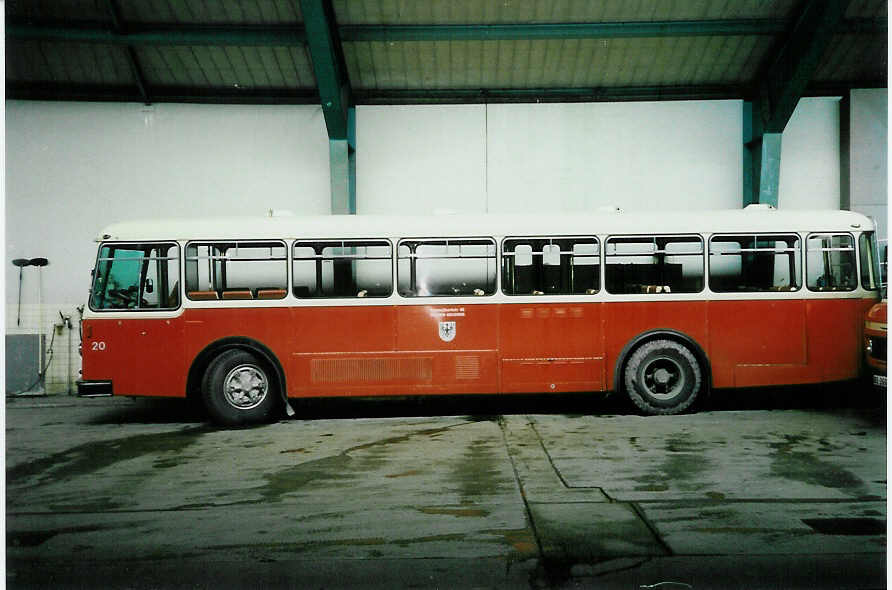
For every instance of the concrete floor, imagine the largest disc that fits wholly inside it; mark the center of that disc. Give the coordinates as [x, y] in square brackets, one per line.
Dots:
[782, 489]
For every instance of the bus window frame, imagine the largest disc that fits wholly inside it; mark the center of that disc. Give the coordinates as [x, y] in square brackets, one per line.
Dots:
[250, 242]
[599, 243]
[142, 278]
[756, 236]
[331, 242]
[433, 240]
[703, 258]
[853, 250]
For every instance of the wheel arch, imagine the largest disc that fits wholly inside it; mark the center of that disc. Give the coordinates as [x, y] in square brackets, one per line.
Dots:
[664, 334]
[201, 362]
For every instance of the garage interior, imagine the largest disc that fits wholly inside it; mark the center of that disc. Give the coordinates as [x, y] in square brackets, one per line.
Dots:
[128, 110]
[118, 110]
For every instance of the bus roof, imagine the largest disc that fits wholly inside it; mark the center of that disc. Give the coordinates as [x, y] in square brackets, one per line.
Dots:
[749, 219]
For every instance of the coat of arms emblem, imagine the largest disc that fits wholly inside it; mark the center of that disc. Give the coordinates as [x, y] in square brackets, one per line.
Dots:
[447, 331]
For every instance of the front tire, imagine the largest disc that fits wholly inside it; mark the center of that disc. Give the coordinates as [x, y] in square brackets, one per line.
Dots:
[238, 389]
[663, 377]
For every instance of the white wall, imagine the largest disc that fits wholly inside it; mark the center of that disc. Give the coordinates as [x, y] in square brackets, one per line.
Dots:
[637, 156]
[421, 158]
[73, 168]
[809, 171]
[535, 157]
[869, 155]
[572, 157]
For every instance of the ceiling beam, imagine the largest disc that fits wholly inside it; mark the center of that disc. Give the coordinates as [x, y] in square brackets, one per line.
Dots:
[291, 35]
[17, 90]
[500, 32]
[120, 27]
[789, 72]
[328, 65]
[244, 36]
[588, 94]
[336, 96]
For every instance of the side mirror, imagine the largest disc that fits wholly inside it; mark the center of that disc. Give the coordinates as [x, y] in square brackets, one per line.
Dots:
[150, 287]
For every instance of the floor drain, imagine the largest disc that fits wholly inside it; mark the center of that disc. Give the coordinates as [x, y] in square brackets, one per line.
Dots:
[847, 526]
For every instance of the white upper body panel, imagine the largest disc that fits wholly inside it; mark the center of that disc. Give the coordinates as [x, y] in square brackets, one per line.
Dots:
[753, 219]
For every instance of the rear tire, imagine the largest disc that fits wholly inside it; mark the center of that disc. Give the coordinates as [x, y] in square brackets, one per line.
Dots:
[239, 389]
[663, 377]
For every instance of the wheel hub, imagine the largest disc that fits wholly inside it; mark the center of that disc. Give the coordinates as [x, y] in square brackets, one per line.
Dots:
[663, 378]
[245, 387]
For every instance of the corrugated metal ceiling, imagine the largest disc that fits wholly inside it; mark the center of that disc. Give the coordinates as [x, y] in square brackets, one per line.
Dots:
[255, 50]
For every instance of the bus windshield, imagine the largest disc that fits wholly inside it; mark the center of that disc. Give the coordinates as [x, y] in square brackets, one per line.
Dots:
[136, 277]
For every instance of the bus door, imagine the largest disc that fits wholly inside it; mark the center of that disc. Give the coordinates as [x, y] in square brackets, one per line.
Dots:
[343, 328]
[450, 346]
[551, 347]
[139, 344]
[758, 336]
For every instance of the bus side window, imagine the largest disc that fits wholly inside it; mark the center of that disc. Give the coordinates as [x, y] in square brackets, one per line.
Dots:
[552, 266]
[236, 270]
[830, 262]
[342, 268]
[753, 263]
[436, 267]
[654, 264]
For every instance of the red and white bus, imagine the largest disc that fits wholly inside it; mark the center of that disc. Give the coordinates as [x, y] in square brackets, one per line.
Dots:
[246, 313]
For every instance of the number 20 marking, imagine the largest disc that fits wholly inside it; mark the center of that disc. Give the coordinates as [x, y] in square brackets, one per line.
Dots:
[98, 345]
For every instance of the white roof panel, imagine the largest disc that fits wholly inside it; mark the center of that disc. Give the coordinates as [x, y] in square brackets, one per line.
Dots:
[754, 219]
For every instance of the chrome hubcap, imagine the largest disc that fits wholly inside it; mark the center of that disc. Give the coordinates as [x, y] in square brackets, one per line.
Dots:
[245, 387]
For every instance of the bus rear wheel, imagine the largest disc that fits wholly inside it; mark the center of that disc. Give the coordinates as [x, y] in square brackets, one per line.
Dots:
[238, 389]
[663, 377]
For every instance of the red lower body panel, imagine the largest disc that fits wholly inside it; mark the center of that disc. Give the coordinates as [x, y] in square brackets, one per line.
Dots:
[488, 348]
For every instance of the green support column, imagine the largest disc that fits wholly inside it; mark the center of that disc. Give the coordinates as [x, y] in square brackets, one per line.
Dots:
[336, 96]
[780, 87]
[845, 143]
[768, 148]
[342, 161]
[761, 161]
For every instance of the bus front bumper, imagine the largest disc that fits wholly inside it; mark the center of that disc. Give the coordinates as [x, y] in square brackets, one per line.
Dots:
[94, 389]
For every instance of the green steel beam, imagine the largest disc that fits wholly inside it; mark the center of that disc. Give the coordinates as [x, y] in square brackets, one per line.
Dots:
[228, 95]
[119, 27]
[336, 97]
[17, 90]
[779, 88]
[289, 35]
[845, 148]
[243, 36]
[342, 160]
[328, 65]
[761, 160]
[792, 68]
[560, 30]
[581, 94]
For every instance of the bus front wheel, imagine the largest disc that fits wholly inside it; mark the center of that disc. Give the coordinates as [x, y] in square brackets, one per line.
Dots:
[663, 377]
[238, 389]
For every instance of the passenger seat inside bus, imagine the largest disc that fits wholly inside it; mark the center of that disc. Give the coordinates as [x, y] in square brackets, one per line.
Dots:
[203, 295]
[271, 293]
